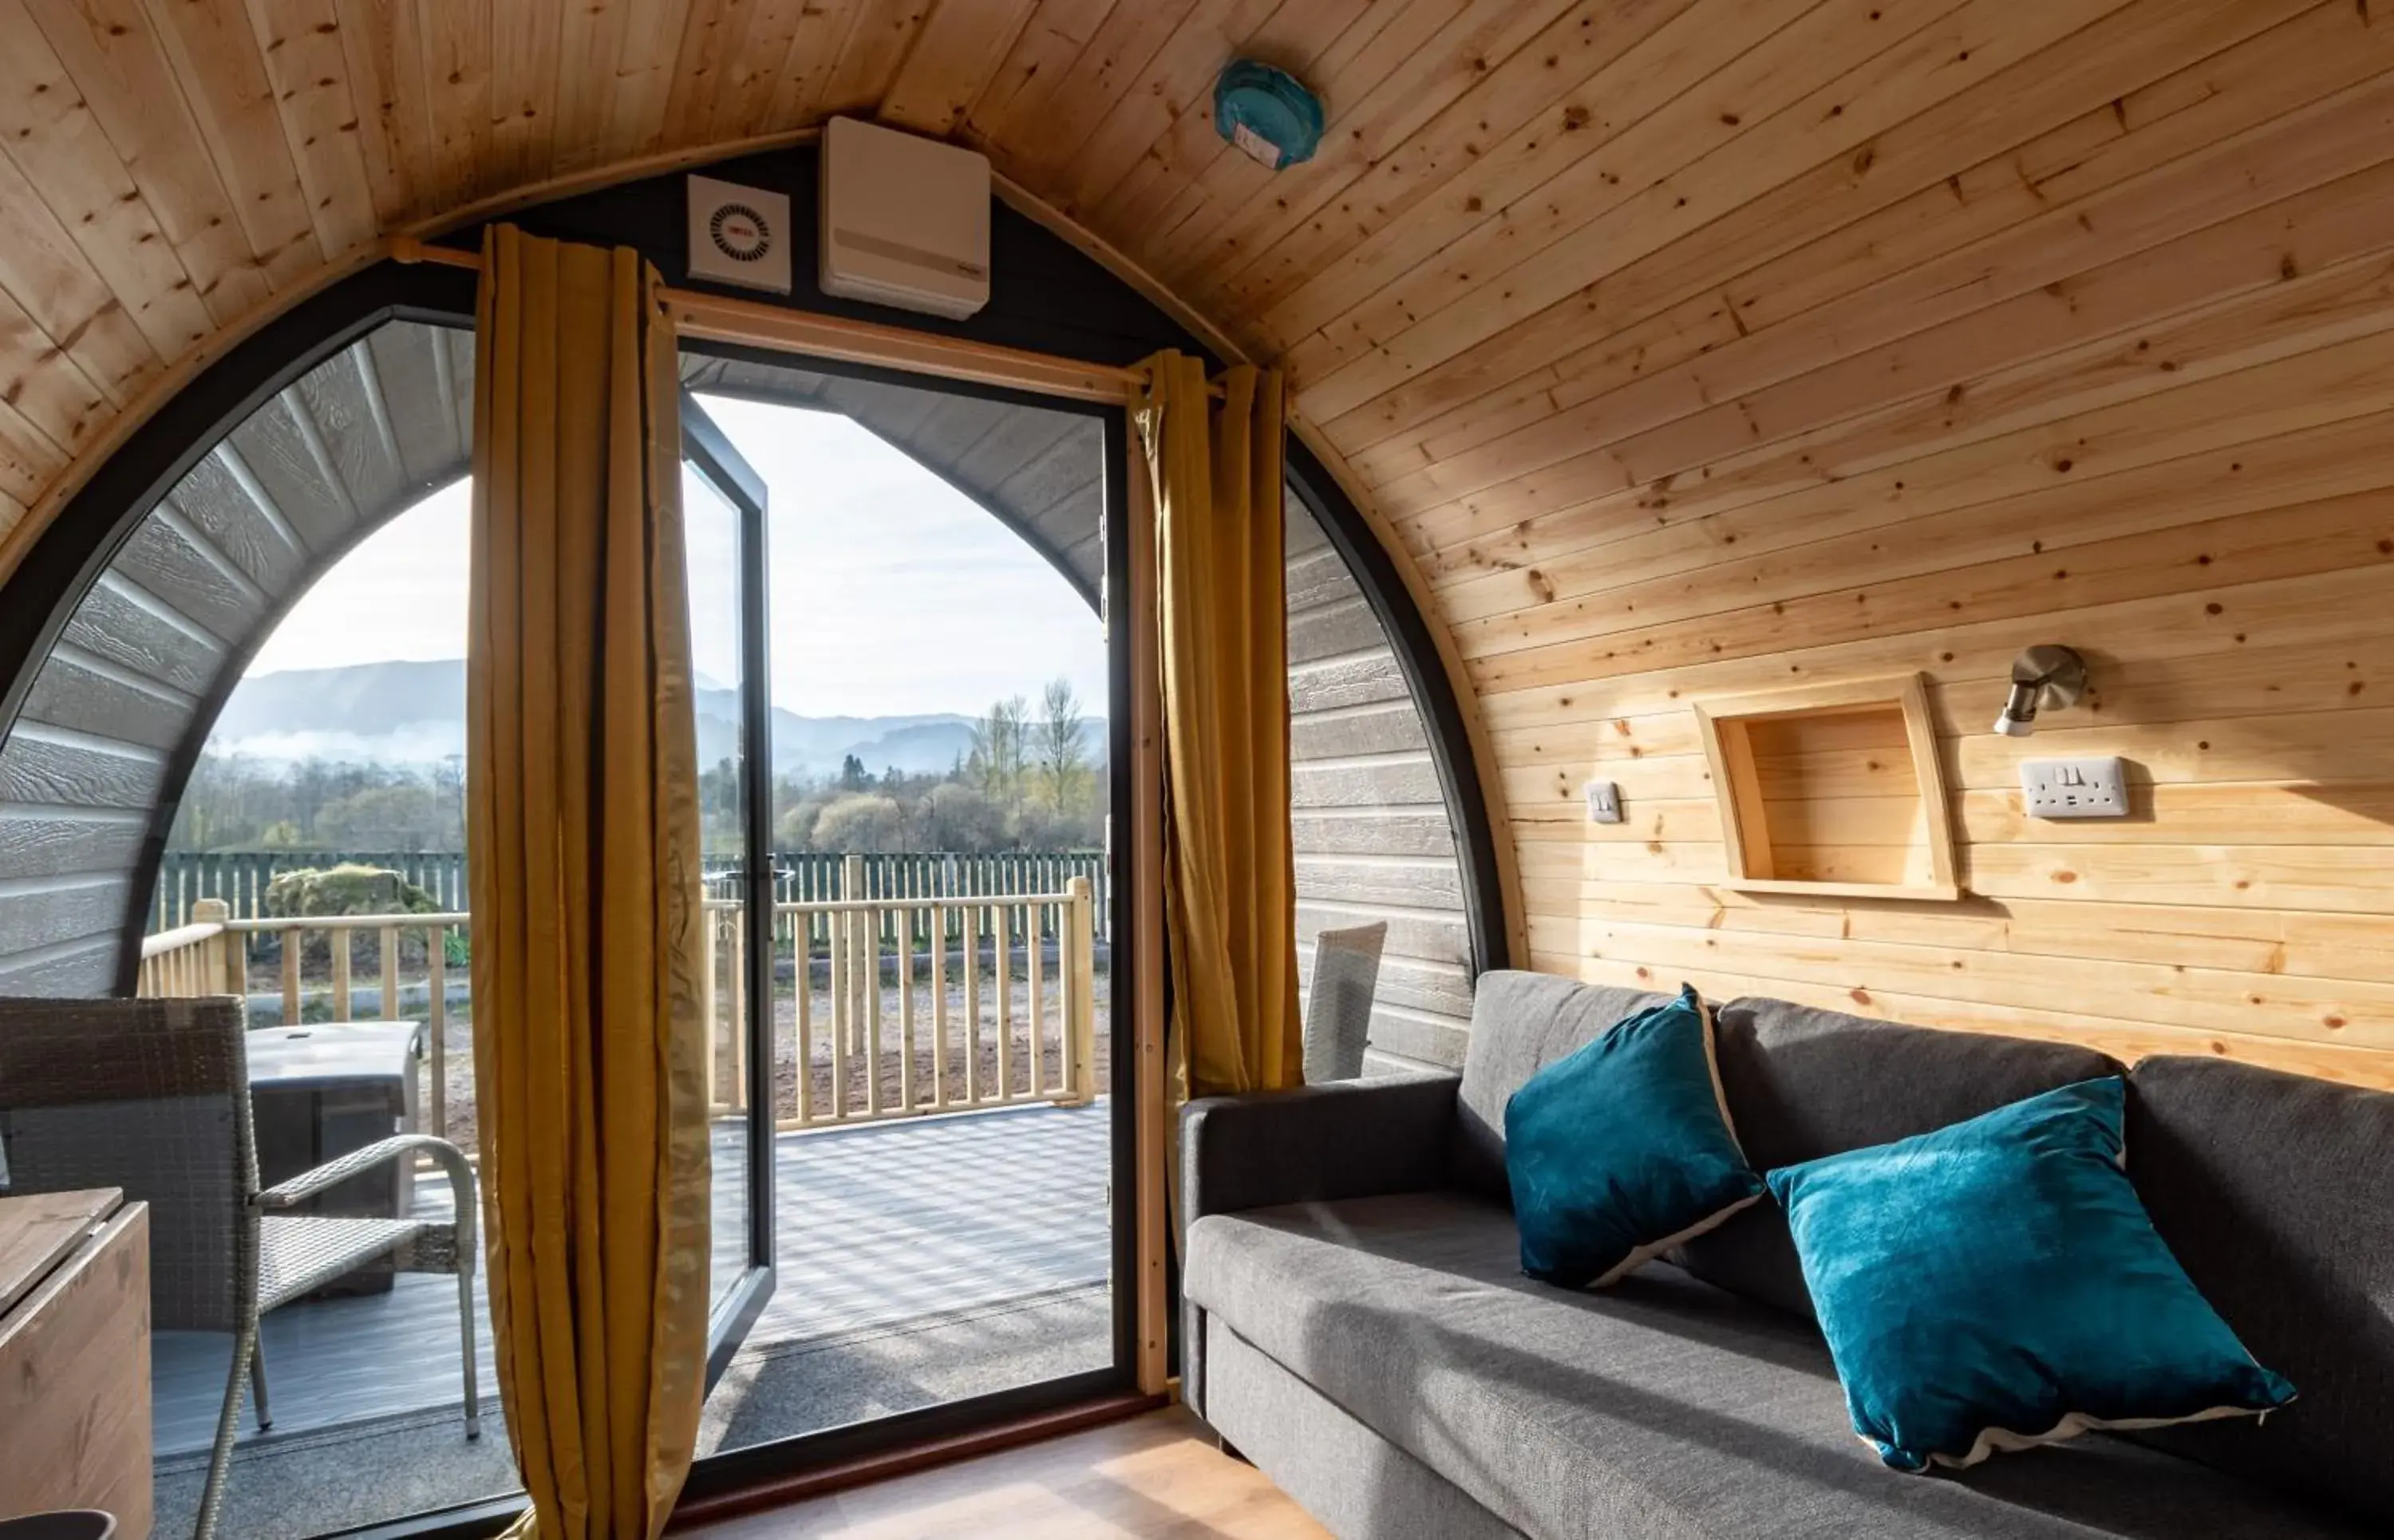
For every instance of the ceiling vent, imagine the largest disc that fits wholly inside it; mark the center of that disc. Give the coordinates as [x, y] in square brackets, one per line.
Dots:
[905, 221]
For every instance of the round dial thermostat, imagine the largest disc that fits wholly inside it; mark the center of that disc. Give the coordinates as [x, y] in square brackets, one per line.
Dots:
[740, 232]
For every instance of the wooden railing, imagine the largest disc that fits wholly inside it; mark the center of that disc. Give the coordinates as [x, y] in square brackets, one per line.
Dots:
[921, 999]
[199, 958]
[211, 956]
[895, 1039]
[240, 878]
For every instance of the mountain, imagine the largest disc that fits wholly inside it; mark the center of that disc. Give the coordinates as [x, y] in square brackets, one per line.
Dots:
[414, 713]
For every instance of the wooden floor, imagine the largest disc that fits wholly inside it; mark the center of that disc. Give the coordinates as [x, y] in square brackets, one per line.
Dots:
[1155, 1476]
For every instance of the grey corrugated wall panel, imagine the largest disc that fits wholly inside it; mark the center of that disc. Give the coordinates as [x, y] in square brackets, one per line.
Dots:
[83, 771]
[1369, 819]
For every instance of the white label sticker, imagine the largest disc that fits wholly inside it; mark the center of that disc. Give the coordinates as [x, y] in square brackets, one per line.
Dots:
[1257, 147]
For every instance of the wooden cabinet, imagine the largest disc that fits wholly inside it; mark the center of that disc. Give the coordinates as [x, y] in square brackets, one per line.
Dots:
[74, 1356]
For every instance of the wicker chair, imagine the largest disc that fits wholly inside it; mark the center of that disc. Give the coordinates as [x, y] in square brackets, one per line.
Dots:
[152, 1097]
[1339, 1004]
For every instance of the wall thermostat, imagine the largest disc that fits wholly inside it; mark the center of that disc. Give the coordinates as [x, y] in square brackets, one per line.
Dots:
[739, 235]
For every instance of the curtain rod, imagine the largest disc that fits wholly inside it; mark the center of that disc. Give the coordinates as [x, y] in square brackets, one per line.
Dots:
[719, 319]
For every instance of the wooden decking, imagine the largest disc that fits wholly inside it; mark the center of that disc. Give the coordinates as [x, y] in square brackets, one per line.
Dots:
[880, 1226]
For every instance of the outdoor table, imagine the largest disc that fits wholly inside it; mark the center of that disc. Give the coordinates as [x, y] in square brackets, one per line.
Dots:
[318, 1093]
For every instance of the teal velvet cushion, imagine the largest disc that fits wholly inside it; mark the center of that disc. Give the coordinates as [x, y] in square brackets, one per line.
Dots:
[1623, 1149]
[1996, 1284]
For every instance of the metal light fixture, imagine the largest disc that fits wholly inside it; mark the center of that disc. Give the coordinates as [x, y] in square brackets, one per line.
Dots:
[2045, 676]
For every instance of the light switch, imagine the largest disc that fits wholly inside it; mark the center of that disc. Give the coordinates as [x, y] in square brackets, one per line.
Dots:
[2074, 788]
[1603, 802]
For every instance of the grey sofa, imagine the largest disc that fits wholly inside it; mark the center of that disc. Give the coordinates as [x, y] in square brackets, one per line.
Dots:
[1357, 1324]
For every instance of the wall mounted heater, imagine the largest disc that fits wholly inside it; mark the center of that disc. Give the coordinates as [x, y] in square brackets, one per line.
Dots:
[905, 221]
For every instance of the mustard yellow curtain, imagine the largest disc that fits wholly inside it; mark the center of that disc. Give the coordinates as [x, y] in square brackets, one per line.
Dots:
[1222, 608]
[582, 776]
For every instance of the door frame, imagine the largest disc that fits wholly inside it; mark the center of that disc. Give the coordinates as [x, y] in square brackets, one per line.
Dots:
[1133, 1125]
[711, 453]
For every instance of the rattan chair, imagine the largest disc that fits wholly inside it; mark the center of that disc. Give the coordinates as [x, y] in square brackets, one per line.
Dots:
[152, 1097]
[1338, 1001]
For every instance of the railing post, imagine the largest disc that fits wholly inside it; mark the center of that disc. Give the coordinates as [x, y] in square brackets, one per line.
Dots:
[739, 1006]
[970, 924]
[805, 990]
[390, 973]
[1081, 1037]
[706, 991]
[216, 970]
[851, 890]
[341, 940]
[436, 1024]
[293, 939]
[1034, 925]
[840, 959]
[939, 1004]
[1001, 922]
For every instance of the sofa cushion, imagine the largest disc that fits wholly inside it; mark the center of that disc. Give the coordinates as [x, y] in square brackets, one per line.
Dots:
[1521, 1022]
[1663, 1408]
[1803, 1082]
[2276, 1193]
[1996, 1285]
[1620, 1150]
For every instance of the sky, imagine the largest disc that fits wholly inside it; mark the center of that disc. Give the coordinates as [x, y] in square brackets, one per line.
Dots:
[890, 593]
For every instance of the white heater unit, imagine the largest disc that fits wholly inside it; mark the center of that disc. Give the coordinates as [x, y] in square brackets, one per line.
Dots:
[905, 221]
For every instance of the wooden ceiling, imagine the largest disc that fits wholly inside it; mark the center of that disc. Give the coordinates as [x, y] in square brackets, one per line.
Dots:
[1531, 216]
[1685, 345]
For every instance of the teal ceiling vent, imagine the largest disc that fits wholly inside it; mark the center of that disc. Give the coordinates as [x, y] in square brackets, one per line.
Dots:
[1268, 113]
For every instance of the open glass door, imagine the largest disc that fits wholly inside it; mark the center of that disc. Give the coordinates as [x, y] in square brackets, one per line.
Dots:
[723, 504]
[949, 713]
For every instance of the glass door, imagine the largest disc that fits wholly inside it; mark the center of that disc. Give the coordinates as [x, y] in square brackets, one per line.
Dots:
[723, 505]
[947, 718]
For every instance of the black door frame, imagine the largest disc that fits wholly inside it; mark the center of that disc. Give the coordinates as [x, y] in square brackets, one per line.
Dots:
[735, 1470]
[708, 451]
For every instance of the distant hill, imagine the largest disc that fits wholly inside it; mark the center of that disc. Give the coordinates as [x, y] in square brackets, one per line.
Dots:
[414, 713]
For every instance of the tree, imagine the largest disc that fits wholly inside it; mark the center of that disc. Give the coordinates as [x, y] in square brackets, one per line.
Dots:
[862, 824]
[1001, 752]
[1062, 758]
[958, 817]
[408, 815]
[851, 775]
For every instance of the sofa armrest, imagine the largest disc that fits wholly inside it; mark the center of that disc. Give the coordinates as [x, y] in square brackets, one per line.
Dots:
[1351, 1139]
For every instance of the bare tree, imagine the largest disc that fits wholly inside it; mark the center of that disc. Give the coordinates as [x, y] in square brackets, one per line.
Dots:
[1001, 752]
[1063, 760]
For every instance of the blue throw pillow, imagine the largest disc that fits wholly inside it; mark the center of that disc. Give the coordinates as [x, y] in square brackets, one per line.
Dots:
[1623, 1149]
[1997, 1284]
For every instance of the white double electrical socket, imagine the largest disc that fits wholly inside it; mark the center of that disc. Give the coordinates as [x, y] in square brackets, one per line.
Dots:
[2074, 788]
[1603, 802]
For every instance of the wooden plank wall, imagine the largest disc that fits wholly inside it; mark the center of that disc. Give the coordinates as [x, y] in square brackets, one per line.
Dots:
[1374, 842]
[2117, 373]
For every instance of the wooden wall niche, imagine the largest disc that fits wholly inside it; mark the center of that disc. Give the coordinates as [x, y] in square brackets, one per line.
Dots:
[1832, 789]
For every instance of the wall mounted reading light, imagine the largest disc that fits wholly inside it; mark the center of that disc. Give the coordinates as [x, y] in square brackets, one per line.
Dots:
[2045, 675]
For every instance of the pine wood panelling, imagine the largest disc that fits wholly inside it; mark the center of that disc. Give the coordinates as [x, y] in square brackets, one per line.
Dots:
[1687, 348]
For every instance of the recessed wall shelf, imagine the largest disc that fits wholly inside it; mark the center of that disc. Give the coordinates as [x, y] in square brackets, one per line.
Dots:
[1832, 790]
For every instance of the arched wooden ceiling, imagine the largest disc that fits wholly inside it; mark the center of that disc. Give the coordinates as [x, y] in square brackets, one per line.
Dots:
[1524, 206]
[1688, 344]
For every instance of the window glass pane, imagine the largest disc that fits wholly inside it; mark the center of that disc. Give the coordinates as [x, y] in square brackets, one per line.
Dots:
[712, 536]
